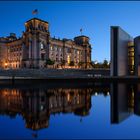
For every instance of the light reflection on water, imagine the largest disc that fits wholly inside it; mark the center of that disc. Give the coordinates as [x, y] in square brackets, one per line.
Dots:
[102, 110]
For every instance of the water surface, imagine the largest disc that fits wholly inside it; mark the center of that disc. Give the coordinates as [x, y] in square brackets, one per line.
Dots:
[70, 110]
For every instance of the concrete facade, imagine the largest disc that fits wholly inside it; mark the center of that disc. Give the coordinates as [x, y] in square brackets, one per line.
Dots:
[121, 102]
[119, 51]
[124, 101]
[36, 47]
[137, 55]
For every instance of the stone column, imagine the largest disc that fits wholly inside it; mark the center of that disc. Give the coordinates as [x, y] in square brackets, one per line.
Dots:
[47, 47]
[34, 51]
[30, 49]
[30, 52]
[38, 53]
[23, 57]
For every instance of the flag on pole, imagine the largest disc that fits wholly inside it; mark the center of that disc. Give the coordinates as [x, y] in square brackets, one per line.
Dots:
[81, 30]
[35, 12]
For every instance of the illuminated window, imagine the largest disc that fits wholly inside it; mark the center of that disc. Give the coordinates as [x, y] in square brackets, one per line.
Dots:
[51, 48]
[68, 59]
[56, 48]
[131, 59]
[78, 52]
[41, 46]
[132, 62]
[68, 97]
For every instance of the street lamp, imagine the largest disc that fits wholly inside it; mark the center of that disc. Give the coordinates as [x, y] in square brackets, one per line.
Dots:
[95, 62]
[5, 64]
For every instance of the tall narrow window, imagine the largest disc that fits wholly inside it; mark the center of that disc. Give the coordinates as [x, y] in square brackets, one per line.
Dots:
[42, 56]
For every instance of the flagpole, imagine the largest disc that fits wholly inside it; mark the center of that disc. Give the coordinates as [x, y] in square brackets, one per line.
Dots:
[81, 31]
[35, 13]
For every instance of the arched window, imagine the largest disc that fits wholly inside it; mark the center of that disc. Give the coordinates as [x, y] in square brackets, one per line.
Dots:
[39, 27]
[31, 26]
[42, 47]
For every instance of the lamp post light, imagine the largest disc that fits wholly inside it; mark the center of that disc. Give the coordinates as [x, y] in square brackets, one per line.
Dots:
[5, 64]
[95, 62]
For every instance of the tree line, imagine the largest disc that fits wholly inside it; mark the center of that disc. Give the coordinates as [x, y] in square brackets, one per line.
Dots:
[92, 64]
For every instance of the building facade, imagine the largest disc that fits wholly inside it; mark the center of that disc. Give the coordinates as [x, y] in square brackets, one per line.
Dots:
[37, 49]
[37, 106]
[121, 46]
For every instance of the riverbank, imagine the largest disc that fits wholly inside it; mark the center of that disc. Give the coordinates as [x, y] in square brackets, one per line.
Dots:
[71, 79]
[54, 73]
[72, 75]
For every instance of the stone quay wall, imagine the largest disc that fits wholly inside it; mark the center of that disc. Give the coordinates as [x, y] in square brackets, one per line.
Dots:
[54, 73]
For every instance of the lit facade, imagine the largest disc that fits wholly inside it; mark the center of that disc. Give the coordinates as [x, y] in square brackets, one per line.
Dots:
[36, 107]
[36, 47]
[131, 68]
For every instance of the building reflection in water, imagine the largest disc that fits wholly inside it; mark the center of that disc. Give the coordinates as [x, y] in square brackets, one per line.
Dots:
[137, 100]
[36, 105]
[125, 101]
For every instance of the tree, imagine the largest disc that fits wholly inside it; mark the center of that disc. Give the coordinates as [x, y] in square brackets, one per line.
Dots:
[100, 65]
[105, 64]
[63, 62]
[95, 64]
[50, 62]
[80, 64]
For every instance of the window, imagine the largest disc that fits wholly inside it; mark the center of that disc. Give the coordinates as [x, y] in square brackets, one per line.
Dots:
[56, 48]
[42, 98]
[8, 50]
[56, 59]
[68, 59]
[42, 56]
[41, 46]
[78, 53]
[51, 48]
[68, 50]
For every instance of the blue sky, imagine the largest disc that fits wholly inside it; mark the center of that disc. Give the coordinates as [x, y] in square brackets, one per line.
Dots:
[67, 17]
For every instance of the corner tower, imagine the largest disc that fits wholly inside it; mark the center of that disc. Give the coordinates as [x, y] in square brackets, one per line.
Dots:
[84, 42]
[35, 43]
